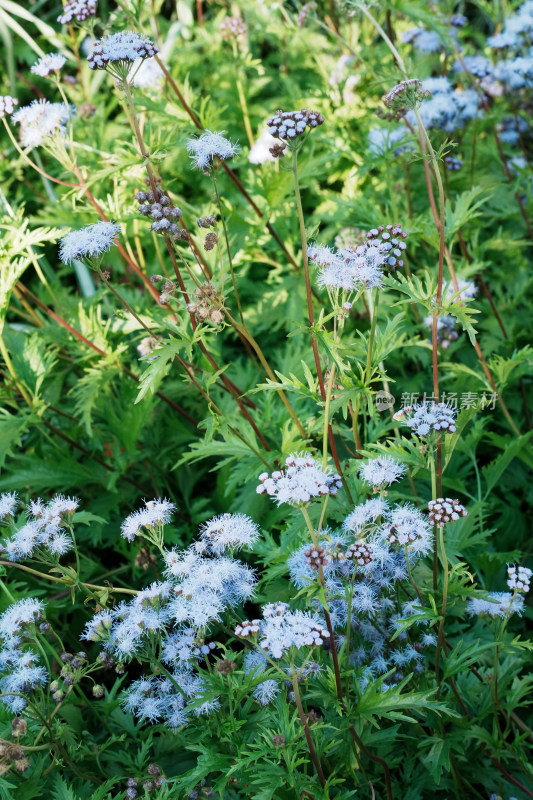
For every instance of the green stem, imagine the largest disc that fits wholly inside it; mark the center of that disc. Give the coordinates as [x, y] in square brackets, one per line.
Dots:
[303, 720]
[440, 637]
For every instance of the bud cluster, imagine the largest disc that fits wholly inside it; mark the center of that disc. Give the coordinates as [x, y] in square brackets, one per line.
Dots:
[207, 222]
[360, 552]
[390, 239]
[316, 557]
[12, 756]
[121, 49]
[247, 628]
[7, 105]
[452, 164]
[207, 305]
[405, 95]
[154, 780]
[78, 10]
[289, 125]
[443, 510]
[162, 211]
[232, 28]
[168, 288]
[519, 578]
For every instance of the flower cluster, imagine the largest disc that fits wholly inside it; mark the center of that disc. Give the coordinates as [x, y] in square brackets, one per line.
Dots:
[289, 125]
[120, 50]
[382, 471]
[227, 532]
[349, 270]
[497, 604]
[232, 28]
[519, 578]
[281, 629]
[155, 514]
[20, 672]
[302, 480]
[40, 120]
[407, 527]
[162, 211]
[7, 105]
[424, 418]
[52, 62]
[44, 533]
[78, 10]
[207, 147]
[446, 329]
[391, 244]
[90, 242]
[443, 510]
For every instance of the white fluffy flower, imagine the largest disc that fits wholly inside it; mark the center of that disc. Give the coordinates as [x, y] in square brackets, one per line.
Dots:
[382, 471]
[407, 527]
[41, 119]
[7, 105]
[52, 62]
[8, 504]
[228, 532]
[260, 150]
[19, 615]
[302, 480]
[208, 146]
[498, 604]
[90, 241]
[154, 514]
[282, 629]
[364, 513]
[347, 269]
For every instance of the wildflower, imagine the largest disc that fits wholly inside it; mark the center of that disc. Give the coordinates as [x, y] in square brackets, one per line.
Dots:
[427, 417]
[7, 105]
[360, 552]
[302, 480]
[155, 514]
[209, 145]
[390, 241]
[120, 50]
[289, 125]
[8, 504]
[282, 629]
[266, 691]
[147, 74]
[146, 346]
[347, 269]
[40, 120]
[497, 604]
[363, 514]
[452, 164]
[518, 578]
[232, 28]
[382, 471]
[475, 65]
[52, 62]
[89, 242]
[78, 10]
[446, 510]
[407, 527]
[406, 94]
[260, 152]
[228, 532]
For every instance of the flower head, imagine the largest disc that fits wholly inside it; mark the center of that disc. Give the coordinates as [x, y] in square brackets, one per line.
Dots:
[227, 532]
[407, 527]
[497, 604]
[41, 119]
[52, 62]
[155, 513]
[290, 125]
[443, 510]
[209, 145]
[382, 471]
[7, 105]
[78, 10]
[89, 242]
[302, 480]
[120, 50]
[518, 578]
[8, 504]
[427, 417]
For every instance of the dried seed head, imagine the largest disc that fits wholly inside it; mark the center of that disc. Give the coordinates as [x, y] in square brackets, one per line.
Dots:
[153, 769]
[21, 765]
[168, 286]
[405, 95]
[278, 741]
[18, 727]
[15, 752]
[98, 690]
[225, 666]
[202, 313]
[156, 278]
[210, 240]
[164, 298]
[207, 222]
[216, 315]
